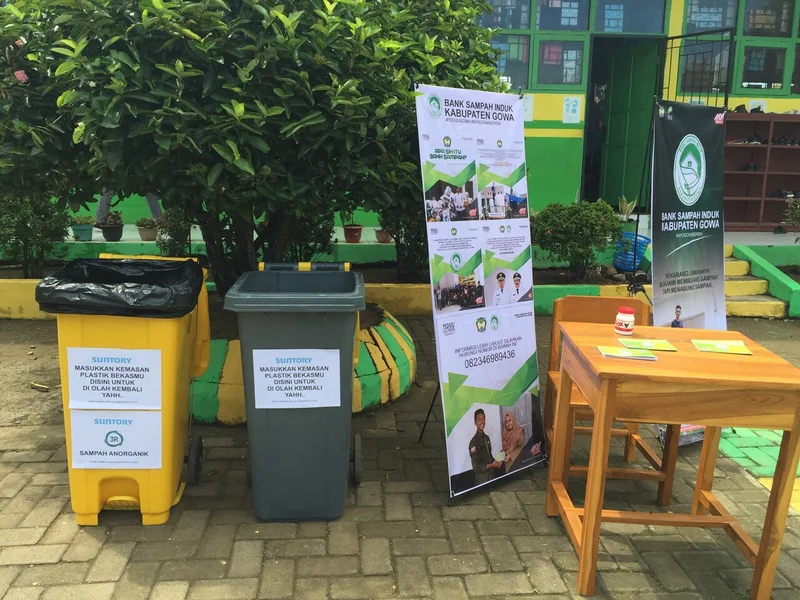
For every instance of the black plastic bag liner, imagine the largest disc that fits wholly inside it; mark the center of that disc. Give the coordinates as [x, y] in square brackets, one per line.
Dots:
[122, 288]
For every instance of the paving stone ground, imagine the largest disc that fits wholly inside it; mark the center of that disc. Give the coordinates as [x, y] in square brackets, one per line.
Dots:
[398, 538]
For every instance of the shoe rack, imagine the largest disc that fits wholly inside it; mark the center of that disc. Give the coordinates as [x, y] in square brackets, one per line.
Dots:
[762, 169]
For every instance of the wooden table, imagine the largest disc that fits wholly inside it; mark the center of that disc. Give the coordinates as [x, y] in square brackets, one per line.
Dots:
[688, 386]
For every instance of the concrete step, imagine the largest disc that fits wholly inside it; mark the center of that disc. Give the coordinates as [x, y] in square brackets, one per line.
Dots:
[755, 306]
[728, 250]
[734, 266]
[745, 285]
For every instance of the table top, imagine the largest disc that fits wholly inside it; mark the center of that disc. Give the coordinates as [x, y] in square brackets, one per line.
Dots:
[763, 369]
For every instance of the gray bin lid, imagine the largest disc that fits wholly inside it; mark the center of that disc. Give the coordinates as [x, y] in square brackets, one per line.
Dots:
[295, 291]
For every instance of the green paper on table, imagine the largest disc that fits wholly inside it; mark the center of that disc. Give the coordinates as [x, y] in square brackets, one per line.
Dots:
[662, 345]
[731, 347]
[614, 352]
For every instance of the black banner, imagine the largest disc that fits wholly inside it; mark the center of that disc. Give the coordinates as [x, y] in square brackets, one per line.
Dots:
[688, 239]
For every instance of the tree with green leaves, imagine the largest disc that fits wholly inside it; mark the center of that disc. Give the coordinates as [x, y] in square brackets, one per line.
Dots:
[252, 117]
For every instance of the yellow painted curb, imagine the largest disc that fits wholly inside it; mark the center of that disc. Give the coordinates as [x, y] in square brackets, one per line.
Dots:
[763, 309]
[412, 299]
[621, 291]
[554, 133]
[751, 287]
[231, 388]
[736, 267]
[767, 483]
[728, 250]
[18, 300]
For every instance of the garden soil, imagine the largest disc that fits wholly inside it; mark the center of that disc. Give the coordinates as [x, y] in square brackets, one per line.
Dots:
[29, 354]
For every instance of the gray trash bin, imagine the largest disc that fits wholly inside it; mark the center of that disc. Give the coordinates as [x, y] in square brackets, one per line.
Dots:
[295, 327]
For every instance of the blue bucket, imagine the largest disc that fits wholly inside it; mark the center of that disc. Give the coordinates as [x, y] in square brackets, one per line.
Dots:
[623, 257]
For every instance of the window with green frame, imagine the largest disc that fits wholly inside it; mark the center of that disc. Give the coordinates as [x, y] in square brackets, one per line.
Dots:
[630, 16]
[771, 18]
[703, 15]
[767, 57]
[560, 62]
[796, 72]
[763, 67]
[508, 14]
[514, 62]
[545, 43]
[562, 15]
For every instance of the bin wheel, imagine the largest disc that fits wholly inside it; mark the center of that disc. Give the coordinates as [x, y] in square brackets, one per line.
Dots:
[195, 460]
[357, 459]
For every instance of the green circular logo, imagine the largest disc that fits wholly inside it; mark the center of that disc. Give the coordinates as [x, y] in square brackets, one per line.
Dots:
[689, 170]
[455, 261]
[502, 228]
[434, 106]
[114, 439]
[499, 143]
[453, 231]
[495, 322]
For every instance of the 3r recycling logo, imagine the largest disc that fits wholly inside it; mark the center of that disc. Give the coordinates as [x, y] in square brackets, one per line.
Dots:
[114, 439]
[689, 170]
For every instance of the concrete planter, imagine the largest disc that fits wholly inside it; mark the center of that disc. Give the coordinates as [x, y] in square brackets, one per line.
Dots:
[83, 233]
[147, 234]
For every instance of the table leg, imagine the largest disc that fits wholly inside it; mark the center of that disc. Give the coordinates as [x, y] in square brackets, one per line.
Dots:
[672, 438]
[777, 509]
[705, 470]
[595, 489]
[559, 447]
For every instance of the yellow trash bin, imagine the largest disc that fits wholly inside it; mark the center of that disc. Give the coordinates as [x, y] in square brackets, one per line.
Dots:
[131, 334]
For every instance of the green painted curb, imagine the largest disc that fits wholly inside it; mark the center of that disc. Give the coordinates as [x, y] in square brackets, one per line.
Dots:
[205, 402]
[755, 450]
[781, 285]
[545, 295]
[780, 256]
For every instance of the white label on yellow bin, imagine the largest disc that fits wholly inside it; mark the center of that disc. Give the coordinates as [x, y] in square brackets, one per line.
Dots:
[296, 378]
[116, 439]
[111, 378]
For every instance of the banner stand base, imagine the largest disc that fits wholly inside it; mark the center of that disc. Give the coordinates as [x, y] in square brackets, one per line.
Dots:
[430, 410]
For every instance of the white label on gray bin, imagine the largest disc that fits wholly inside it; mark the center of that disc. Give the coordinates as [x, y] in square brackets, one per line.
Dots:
[296, 378]
[113, 378]
[118, 439]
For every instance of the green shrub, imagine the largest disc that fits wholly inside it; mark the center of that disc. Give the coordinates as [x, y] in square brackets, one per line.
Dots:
[29, 230]
[174, 229]
[114, 219]
[574, 233]
[83, 220]
[793, 214]
[146, 223]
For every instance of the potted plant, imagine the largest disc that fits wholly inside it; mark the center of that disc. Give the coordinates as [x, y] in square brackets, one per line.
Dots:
[112, 226]
[147, 229]
[82, 228]
[352, 231]
[383, 236]
[626, 210]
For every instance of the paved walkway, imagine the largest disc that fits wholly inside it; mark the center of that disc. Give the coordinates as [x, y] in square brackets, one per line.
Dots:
[397, 538]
